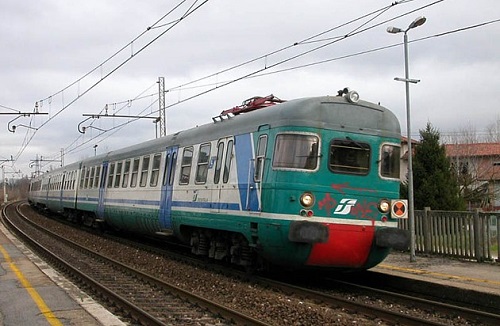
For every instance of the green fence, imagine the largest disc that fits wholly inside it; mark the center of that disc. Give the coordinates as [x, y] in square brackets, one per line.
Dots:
[469, 235]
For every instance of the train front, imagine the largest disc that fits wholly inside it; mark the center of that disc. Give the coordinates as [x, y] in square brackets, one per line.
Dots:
[338, 176]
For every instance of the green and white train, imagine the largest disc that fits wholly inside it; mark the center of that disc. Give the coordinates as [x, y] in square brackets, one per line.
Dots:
[306, 183]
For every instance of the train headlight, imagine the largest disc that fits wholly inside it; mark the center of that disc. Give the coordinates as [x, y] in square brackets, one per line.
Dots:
[307, 199]
[384, 206]
[352, 96]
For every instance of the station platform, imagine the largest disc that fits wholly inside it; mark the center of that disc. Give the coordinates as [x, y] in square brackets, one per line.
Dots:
[32, 293]
[482, 277]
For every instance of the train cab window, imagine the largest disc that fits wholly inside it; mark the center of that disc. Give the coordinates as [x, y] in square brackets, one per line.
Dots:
[144, 171]
[349, 157]
[97, 176]
[135, 172]
[260, 157]
[155, 171]
[202, 166]
[118, 176]
[390, 157]
[111, 172]
[218, 162]
[187, 158]
[227, 163]
[126, 172]
[296, 151]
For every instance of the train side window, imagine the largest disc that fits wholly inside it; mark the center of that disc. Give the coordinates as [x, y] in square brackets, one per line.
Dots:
[187, 158]
[126, 173]
[390, 157]
[91, 178]
[227, 163]
[349, 156]
[118, 176]
[165, 169]
[296, 151]
[97, 176]
[82, 176]
[260, 158]
[155, 171]
[218, 163]
[144, 170]
[87, 175]
[202, 166]
[111, 173]
[172, 170]
[135, 172]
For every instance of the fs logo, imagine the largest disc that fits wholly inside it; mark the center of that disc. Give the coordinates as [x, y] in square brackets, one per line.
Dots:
[345, 206]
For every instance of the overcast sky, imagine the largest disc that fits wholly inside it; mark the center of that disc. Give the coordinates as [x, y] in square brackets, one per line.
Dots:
[66, 56]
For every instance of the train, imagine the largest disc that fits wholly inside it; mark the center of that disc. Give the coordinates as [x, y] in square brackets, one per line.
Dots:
[308, 183]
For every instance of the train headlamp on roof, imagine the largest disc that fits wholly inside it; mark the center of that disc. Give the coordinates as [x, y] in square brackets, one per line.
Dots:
[351, 96]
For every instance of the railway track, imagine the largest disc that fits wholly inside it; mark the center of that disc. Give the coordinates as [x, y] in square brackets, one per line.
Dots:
[338, 308]
[145, 299]
[426, 306]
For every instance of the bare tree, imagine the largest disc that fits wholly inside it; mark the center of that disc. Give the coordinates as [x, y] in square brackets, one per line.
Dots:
[476, 162]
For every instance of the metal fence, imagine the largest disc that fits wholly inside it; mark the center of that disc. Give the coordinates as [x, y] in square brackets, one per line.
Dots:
[469, 235]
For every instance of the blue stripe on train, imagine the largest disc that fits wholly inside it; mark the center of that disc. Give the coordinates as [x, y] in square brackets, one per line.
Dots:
[245, 166]
[206, 205]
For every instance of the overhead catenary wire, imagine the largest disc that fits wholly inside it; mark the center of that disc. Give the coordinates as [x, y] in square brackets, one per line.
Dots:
[377, 13]
[330, 60]
[262, 72]
[191, 9]
[254, 74]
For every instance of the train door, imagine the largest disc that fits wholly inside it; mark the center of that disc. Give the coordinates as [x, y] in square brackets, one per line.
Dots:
[102, 191]
[219, 180]
[61, 192]
[232, 190]
[246, 161]
[49, 183]
[165, 213]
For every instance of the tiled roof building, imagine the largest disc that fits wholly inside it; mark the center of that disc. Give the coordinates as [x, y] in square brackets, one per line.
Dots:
[480, 161]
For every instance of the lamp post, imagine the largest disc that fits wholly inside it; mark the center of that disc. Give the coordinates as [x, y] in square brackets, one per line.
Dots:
[5, 196]
[411, 215]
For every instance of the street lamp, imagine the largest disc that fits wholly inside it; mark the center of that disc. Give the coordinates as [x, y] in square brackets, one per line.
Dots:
[394, 30]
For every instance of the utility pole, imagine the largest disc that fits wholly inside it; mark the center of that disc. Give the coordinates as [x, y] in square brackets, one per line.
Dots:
[36, 162]
[161, 102]
[5, 196]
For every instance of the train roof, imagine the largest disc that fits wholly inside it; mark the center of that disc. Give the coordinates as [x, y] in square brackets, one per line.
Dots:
[324, 112]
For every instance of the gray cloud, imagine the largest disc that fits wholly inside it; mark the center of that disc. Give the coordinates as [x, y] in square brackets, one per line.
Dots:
[49, 44]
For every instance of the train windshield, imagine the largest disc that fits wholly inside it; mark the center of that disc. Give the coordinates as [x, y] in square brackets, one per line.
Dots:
[296, 151]
[349, 157]
[390, 161]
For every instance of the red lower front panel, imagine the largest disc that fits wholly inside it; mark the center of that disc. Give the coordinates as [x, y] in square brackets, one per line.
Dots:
[347, 246]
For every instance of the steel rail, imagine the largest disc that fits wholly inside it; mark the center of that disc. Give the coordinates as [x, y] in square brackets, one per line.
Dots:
[137, 313]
